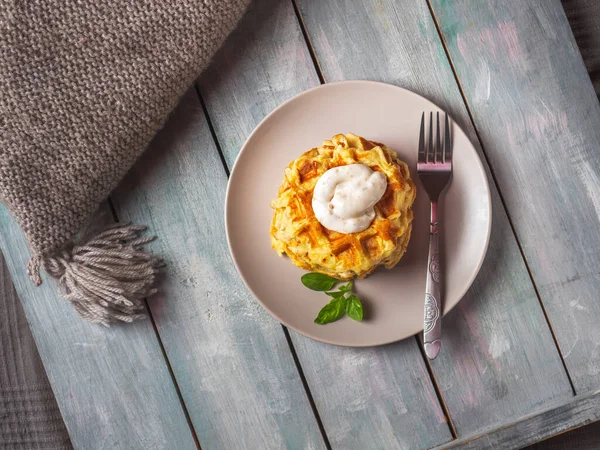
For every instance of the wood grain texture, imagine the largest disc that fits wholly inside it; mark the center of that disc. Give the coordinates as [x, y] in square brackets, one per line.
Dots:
[498, 359]
[29, 416]
[553, 420]
[373, 398]
[582, 438]
[366, 398]
[111, 384]
[539, 121]
[584, 19]
[264, 62]
[231, 360]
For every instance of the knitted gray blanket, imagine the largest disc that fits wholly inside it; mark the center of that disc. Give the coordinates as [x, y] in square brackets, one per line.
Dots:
[84, 86]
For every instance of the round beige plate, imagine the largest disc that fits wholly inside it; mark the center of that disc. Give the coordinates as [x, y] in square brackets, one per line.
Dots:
[393, 299]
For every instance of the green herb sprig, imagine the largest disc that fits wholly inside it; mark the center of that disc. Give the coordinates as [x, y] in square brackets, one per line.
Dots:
[343, 301]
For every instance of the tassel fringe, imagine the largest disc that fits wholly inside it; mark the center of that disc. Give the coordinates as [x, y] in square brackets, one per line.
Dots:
[106, 278]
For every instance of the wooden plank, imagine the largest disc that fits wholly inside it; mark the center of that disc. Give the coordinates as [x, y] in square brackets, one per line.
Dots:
[366, 398]
[584, 20]
[30, 415]
[539, 121]
[263, 63]
[112, 384]
[498, 360]
[539, 425]
[231, 361]
[580, 438]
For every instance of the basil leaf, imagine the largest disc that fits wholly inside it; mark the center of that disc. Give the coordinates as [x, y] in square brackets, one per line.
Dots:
[332, 311]
[347, 287]
[354, 308]
[318, 281]
[335, 294]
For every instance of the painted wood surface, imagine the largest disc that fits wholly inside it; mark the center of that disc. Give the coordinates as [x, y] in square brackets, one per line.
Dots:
[112, 384]
[231, 360]
[539, 121]
[366, 398]
[532, 428]
[498, 360]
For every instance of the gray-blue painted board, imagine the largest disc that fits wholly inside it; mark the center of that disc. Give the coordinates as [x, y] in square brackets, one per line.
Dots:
[498, 360]
[111, 384]
[539, 121]
[231, 360]
[366, 398]
[556, 419]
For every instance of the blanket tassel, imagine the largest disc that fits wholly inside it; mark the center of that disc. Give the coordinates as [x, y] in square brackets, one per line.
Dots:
[106, 278]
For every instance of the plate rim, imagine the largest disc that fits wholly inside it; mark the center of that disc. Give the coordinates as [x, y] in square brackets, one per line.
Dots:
[228, 191]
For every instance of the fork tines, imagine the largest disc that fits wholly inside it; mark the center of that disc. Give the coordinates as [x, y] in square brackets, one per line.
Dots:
[438, 153]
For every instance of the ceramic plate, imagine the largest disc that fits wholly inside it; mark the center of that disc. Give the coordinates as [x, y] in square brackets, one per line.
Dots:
[393, 299]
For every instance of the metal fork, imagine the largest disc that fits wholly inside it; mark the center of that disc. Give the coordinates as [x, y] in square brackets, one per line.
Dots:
[434, 167]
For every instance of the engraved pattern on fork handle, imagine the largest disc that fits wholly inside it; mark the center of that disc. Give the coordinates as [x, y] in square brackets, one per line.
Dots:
[432, 326]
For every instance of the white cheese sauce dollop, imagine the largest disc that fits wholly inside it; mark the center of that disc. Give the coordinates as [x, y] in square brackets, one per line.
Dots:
[345, 196]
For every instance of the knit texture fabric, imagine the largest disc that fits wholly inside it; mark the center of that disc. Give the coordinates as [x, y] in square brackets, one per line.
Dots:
[84, 86]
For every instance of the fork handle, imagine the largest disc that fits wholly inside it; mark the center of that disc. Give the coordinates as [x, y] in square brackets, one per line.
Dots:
[432, 327]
